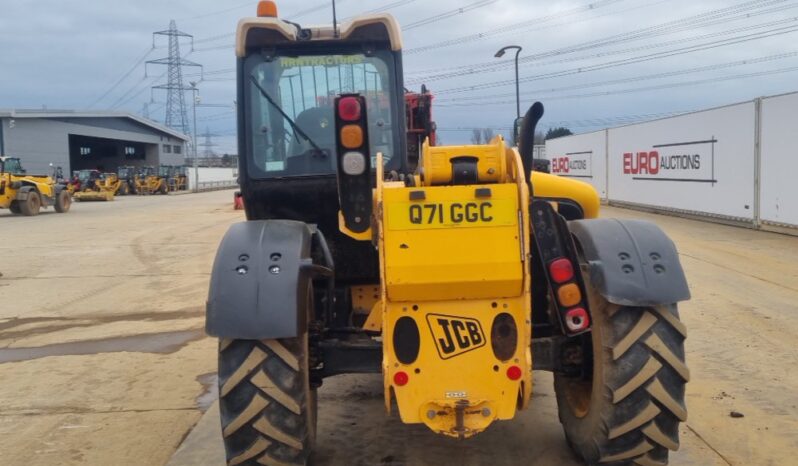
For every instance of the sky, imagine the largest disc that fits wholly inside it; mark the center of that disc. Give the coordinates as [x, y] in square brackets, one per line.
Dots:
[593, 63]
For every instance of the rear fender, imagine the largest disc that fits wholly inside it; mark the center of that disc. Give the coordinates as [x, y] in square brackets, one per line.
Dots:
[23, 192]
[631, 262]
[259, 283]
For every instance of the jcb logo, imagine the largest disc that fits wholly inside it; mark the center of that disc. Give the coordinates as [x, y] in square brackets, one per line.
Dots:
[455, 335]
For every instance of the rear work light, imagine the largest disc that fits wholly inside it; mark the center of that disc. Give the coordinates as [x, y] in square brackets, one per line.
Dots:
[349, 109]
[353, 163]
[561, 270]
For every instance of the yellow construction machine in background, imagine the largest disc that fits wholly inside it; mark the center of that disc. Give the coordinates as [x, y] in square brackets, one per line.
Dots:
[91, 185]
[28, 194]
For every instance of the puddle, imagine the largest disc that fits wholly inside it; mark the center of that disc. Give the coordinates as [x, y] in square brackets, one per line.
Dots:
[166, 342]
[210, 393]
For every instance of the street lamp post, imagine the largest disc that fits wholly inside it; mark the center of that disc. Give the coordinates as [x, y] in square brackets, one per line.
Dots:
[500, 54]
[194, 96]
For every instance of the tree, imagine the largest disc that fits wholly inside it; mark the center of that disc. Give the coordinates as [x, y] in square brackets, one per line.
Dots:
[226, 159]
[487, 134]
[476, 136]
[558, 132]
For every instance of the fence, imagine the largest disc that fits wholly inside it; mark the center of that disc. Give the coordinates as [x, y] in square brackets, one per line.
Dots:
[212, 178]
[733, 163]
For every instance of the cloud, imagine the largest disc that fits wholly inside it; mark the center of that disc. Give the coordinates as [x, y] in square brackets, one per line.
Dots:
[67, 54]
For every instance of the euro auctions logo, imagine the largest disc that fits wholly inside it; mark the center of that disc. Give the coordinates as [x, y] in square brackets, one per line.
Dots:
[573, 164]
[692, 161]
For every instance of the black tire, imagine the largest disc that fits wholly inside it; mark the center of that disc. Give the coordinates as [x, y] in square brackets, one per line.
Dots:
[124, 189]
[268, 408]
[163, 189]
[63, 201]
[628, 411]
[14, 207]
[31, 205]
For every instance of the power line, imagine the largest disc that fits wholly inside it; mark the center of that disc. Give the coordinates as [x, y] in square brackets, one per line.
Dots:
[448, 14]
[483, 67]
[515, 27]
[123, 77]
[628, 61]
[669, 74]
[219, 12]
[643, 89]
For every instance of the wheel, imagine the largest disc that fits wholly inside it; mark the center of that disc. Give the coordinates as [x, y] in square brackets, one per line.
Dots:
[14, 207]
[62, 201]
[124, 190]
[627, 406]
[31, 205]
[268, 408]
[163, 189]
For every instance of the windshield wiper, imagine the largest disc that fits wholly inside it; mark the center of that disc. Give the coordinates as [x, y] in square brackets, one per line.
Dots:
[295, 127]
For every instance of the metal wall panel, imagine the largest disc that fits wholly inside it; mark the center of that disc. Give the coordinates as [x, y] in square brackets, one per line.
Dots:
[582, 156]
[779, 160]
[700, 162]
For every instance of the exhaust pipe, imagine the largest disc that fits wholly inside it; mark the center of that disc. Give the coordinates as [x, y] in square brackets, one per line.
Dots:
[527, 135]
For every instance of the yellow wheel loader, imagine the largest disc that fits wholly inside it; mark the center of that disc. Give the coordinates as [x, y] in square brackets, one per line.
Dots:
[28, 194]
[178, 181]
[127, 174]
[148, 180]
[140, 177]
[454, 280]
[96, 186]
[112, 182]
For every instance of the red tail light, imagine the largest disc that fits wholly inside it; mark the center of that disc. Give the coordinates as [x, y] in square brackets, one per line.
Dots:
[577, 319]
[349, 109]
[514, 372]
[561, 270]
[401, 378]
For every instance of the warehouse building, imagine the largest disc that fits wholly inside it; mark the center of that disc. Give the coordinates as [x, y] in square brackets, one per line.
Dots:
[75, 140]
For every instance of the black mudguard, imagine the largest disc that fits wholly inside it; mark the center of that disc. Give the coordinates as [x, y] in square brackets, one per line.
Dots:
[632, 262]
[259, 284]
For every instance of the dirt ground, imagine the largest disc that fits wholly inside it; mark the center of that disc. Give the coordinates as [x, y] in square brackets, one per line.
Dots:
[103, 359]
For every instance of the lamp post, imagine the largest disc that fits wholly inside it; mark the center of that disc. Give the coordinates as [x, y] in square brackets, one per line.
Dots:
[500, 54]
[194, 100]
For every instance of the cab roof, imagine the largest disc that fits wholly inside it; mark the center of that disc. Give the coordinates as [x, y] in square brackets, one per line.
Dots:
[259, 32]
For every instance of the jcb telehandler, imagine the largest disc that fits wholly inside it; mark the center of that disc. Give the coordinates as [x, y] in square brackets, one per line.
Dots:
[27, 194]
[454, 280]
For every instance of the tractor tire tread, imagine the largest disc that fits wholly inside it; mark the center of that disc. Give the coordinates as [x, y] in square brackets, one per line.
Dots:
[264, 401]
[643, 386]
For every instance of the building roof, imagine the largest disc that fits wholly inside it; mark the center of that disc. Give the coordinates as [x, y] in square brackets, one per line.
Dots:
[29, 113]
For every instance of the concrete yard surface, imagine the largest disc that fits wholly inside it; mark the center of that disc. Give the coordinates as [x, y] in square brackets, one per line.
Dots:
[104, 361]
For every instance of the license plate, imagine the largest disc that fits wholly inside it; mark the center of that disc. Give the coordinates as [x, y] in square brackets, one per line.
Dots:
[451, 214]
